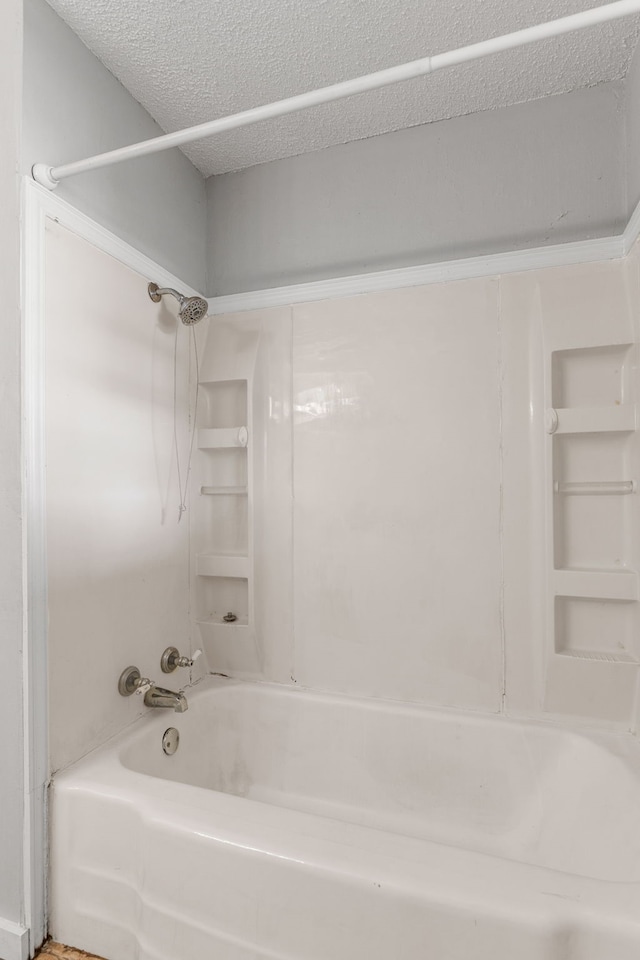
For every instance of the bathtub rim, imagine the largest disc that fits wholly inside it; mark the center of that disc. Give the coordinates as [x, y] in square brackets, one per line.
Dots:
[109, 757]
[605, 738]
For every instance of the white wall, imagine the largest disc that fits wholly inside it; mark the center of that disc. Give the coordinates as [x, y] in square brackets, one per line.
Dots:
[117, 557]
[430, 559]
[396, 467]
[536, 173]
[571, 616]
[11, 782]
[74, 108]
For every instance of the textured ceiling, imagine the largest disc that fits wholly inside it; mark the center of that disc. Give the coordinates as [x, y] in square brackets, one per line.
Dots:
[189, 61]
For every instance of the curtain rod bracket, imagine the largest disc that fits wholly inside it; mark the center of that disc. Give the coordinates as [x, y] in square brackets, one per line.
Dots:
[42, 174]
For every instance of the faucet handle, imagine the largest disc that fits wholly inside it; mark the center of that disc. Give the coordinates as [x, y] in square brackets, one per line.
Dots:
[171, 659]
[132, 682]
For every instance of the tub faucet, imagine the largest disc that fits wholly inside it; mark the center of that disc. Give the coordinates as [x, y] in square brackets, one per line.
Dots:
[131, 682]
[159, 697]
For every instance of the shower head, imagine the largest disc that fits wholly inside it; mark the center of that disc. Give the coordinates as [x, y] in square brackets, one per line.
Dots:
[192, 309]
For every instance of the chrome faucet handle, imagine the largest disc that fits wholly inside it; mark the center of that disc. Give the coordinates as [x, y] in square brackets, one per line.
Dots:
[171, 659]
[132, 682]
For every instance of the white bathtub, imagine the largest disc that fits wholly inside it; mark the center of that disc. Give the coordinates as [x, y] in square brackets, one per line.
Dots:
[298, 826]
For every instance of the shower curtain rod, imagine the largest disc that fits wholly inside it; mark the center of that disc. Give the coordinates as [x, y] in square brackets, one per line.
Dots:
[50, 177]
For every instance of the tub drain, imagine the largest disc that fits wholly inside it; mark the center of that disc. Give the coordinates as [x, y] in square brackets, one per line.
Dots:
[170, 741]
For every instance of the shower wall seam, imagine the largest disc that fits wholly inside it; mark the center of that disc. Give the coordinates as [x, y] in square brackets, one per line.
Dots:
[293, 497]
[503, 639]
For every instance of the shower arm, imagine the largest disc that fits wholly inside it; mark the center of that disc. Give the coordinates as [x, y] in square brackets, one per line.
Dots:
[50, 177]
[156, 293]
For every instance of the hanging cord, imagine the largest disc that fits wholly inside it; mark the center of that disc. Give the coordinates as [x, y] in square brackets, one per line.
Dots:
[184, 492]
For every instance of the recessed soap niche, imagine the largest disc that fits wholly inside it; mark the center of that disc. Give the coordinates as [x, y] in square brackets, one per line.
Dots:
[597, 629]
[591, 377]
[241, 497]
[593, 503]
[223, 403]
[219, 596]
[224, 523]
[221, 532]
[223, 467]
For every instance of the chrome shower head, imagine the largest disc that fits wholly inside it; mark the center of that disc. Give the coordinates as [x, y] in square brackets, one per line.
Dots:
[192, 309]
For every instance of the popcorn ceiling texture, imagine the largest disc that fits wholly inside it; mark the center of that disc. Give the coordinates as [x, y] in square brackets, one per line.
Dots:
[189, 61]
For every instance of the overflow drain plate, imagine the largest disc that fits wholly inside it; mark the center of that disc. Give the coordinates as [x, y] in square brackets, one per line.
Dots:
[170, 741]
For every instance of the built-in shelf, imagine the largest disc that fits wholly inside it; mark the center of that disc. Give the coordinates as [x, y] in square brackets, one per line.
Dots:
[618, 657]
[219, 622]
[613, 419]
[591, 419]
[222, 565]
[219, 630]
[224, 491]
[595, 488]
[599, 629]
[218, 438]
[596, 584]
[222, 523]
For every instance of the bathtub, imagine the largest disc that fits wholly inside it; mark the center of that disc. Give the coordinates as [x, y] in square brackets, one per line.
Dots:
[291, 825]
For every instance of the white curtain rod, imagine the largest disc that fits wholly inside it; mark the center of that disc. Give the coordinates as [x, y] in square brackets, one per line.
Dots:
[50, 177]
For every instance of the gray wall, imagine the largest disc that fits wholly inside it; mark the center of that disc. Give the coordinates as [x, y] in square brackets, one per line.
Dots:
[11, 779]
[74, 108]
[632, 121]
[538, 173]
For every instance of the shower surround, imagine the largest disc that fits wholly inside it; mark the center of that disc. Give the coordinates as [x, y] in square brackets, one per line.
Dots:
[425, 739]
[436, 499]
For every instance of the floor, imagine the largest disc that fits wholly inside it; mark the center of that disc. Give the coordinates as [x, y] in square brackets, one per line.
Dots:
[57, 951]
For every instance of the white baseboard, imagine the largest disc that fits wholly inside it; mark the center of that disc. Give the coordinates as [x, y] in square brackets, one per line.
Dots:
[14, 941]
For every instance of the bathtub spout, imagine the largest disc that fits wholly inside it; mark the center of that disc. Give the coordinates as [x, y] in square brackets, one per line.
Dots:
[159, 697]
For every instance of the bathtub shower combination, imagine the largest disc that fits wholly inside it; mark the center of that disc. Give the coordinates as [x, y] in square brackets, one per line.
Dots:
[406, 591]
[240, 818]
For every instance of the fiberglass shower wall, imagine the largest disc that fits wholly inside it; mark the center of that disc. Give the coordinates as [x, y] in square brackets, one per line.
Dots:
[464, 495]
[117, 558]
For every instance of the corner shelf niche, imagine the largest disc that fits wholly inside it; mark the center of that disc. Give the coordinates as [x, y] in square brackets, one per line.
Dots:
[592, 481]
[218, 596]
[222, 531]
